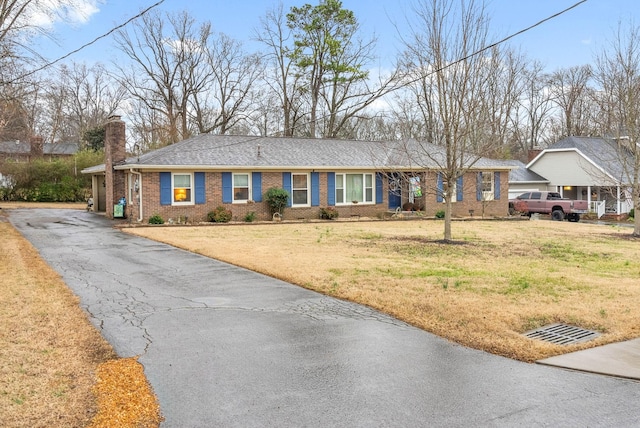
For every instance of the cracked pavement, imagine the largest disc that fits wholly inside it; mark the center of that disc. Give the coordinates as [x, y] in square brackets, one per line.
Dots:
[224, 346]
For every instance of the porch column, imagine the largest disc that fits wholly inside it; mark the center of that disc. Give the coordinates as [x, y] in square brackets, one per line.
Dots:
[589, 197]
[618, 203]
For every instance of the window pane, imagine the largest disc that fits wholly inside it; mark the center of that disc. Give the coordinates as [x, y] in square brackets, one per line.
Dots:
[354, 188]
[181, 195]
[299, 197]
[369, 195]
[299, 181]
[241, 193]
[182, 180]
[339, 188]
[241, 180]
[368, 180]
[487, 182]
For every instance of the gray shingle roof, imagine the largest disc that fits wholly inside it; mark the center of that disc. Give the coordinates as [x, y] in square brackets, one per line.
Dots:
[272, 152]
[520, 174]
[24, 148]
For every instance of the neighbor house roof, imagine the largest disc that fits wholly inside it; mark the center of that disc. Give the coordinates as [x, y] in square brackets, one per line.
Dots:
[520, 174]
[604, 153]
[24, 148]
[233, 151]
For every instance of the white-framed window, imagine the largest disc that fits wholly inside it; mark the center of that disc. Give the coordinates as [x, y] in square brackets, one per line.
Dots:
[241, 187]
[354, 188]
[300, 190]
[488, 193]
[182, 188]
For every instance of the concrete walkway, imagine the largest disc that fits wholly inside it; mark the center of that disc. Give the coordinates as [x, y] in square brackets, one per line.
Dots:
[617, 359]
[224, 346]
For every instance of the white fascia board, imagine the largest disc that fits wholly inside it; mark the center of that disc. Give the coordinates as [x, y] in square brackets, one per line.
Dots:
[243, 167]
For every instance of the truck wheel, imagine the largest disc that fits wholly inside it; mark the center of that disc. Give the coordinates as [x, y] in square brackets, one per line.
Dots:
[573, 217]
[557, 215]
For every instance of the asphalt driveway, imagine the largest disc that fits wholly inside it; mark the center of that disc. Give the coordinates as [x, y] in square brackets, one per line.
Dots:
[223, 346]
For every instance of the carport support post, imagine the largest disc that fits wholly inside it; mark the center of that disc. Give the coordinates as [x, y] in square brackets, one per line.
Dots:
[114, 153]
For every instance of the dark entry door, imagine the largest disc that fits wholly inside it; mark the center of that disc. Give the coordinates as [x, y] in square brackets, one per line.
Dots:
[395, 191]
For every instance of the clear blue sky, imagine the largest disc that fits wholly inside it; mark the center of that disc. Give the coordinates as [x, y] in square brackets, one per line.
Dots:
[567, 40]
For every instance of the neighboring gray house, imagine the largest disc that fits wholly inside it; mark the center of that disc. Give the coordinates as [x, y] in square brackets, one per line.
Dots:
[23, 151]
[583, 168]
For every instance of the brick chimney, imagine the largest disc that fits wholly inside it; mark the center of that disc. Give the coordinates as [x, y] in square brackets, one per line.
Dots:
[533, 153]
[114, 153]
[37, 147]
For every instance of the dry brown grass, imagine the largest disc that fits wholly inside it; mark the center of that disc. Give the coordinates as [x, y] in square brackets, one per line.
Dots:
[49, 351]
[499, 280]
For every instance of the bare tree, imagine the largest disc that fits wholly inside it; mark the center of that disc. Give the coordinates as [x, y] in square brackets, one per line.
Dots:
[162, 75]
[77, 98]
[281, 79]
[222, 101]
[505, 85]
[16, 96]
[571, 93]
[21, 21]
[618, 75]
[450, 82]
[531, 119]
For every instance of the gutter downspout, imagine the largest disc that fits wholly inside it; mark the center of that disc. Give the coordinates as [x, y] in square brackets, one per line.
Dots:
[139, 192]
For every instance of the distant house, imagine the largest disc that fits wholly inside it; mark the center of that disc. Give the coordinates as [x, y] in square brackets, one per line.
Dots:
[24, 151]
[583, 168]
[188, 179]
[35, 148]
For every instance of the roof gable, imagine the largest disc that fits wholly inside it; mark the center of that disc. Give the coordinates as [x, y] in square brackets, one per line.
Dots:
[602, 153]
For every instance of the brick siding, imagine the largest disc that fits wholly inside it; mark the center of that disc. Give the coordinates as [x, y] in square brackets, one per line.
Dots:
[213, 196]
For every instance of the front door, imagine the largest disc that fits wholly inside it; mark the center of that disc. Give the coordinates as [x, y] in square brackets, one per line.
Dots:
[395, 191]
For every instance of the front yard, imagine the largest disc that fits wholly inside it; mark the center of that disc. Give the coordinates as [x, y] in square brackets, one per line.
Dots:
[497, 281]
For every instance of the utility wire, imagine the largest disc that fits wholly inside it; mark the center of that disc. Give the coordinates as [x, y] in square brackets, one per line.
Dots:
[479, 51]
[108, 33]
[499, 42]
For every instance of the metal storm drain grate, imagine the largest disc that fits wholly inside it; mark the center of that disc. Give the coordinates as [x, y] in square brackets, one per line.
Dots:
[562, 334]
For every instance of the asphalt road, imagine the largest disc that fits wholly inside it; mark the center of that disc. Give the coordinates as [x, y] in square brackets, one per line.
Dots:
[223, 346]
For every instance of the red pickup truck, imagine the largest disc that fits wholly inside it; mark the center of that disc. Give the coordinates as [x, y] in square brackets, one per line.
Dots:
[548, 203]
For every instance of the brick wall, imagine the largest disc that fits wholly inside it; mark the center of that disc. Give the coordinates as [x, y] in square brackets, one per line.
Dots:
[114, 152]
[213, 196]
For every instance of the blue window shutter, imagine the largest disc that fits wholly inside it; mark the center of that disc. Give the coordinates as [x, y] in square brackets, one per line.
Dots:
[331, 188]
[459, 183]
[440, 191]
[479, 187]
[227, 188]
[315, 189]
[379, 196]
[496, 185]
[286, 185]
[198, 179]
[165, 188]
[256, 186]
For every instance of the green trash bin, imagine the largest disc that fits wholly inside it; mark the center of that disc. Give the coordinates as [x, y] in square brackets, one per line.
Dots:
[118, 211]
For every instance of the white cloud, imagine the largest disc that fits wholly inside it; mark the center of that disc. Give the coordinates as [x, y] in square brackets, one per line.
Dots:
[69, 12]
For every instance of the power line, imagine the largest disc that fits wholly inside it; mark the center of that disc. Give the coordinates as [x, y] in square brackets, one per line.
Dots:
[499, 42]
[479, 51]
[108, 33]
